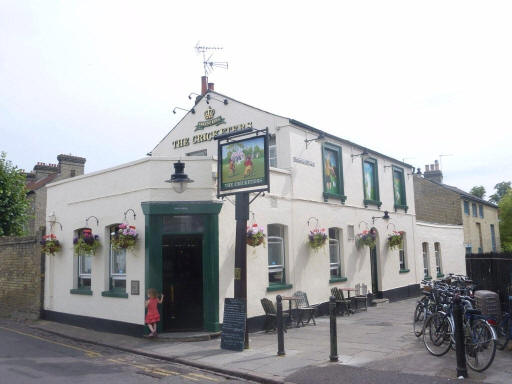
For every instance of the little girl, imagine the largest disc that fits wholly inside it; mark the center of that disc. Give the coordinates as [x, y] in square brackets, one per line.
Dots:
[152, 317]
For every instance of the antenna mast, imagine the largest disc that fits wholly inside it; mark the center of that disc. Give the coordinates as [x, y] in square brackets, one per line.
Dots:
[208, 65]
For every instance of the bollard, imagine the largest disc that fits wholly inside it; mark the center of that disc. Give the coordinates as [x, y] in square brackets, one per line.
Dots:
[460, 348]
[334, 337]
[280, 330]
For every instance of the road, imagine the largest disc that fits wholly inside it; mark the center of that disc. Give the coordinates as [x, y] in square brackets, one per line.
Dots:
[32, 356]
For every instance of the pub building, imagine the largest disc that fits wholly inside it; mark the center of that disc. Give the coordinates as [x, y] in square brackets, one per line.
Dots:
[186, 235]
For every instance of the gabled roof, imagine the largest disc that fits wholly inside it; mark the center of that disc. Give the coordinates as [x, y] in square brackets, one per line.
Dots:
[34, 185]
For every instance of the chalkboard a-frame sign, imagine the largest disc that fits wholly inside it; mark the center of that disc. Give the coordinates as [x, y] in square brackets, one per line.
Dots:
[233, 325]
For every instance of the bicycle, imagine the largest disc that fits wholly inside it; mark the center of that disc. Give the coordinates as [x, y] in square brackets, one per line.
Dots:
[504, 327]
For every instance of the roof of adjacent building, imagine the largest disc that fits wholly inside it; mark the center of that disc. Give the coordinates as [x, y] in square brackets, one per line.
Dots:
[34, 185]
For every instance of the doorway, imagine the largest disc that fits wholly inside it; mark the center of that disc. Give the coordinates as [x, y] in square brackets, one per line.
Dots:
[182, 282]
[375, 272]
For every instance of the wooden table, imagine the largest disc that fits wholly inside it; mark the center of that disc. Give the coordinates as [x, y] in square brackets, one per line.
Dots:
[290, 299]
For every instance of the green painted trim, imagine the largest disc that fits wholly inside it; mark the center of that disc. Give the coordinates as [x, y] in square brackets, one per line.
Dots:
[402, 204]
[337, 279]
[427, 278]
[404, 270]
[440, 275]
[327, 195]
[372, 202]
[279, 287]
[375, 181]
[80, 291]
[181, 207]
[114, 294]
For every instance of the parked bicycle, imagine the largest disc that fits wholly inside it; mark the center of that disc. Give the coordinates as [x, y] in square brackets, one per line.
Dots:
[504, 327]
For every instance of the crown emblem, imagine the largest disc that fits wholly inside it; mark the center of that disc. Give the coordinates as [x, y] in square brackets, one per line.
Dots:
[209, 113]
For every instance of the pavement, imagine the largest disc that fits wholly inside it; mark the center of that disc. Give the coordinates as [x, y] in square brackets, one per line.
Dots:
[378, 343]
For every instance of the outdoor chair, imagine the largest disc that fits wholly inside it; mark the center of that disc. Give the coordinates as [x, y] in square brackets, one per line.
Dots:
[271, 315]
[344, 304]
[361, 295]
[305, 312]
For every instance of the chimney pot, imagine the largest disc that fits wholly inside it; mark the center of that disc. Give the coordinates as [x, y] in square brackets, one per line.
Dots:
[426, 168]
[437, 165]
[204, 85]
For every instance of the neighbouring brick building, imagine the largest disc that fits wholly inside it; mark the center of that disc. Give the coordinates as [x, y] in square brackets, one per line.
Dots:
[440, 203]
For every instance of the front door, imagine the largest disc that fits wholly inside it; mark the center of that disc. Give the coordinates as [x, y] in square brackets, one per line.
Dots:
[375, 273]
[182, 282]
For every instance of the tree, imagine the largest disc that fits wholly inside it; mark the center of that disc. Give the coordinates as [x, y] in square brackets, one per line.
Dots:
[501, 190]
[14, 205]
[478, 191]
[505, 207]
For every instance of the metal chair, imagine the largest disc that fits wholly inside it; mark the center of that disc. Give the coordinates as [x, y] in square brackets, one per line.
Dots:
[340, 299]
[304, 309]
[361, 294]
[270, 315]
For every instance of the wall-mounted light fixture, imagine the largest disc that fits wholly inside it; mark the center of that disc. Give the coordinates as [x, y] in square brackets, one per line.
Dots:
[183, 109]
[179, 179]
[320, 137]
[385, 217]
[210, 97]
[364, 153]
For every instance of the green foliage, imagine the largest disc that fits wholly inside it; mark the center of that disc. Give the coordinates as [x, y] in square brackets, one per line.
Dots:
[14, 205]
[478, 191]
[501, 190]
[505, 209]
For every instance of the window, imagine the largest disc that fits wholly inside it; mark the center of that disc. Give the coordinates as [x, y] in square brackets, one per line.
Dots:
[272, 151]
[473, 206]
[276, 254]
[437, 251]
[117, 265]
[333, 172]
[481, 210]
[480, 240]
[426, 269]
[466, 207]
[201, 152]
[493, 238]
[370, 182]
[335, 256]
[399, 188]
[401, 252]
[72, 173]
[84, 265]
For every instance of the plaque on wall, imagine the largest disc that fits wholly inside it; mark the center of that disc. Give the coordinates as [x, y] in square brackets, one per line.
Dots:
[233, 325]
[135, 285]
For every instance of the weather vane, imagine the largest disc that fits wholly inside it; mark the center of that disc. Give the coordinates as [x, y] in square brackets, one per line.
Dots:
[208, 64]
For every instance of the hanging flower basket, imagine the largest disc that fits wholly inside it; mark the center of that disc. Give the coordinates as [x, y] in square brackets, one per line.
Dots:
[50, 244]
[317, 238]
[395, 239]
[367, 238]
[86, 242]
[255, 235]
[125, 237]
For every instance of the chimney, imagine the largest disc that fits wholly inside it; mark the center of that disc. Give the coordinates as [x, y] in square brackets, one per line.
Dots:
[204, 85]
[434, 174]
[210, 86]
[42, 170]
[70, 166]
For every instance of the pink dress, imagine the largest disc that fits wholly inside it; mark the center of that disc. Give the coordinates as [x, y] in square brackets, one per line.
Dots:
[152, 316]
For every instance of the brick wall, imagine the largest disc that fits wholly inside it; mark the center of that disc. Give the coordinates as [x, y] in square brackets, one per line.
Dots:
[20, 277]
[435, 204]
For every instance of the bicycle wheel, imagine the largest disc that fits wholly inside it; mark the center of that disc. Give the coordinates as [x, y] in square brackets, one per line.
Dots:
[437, 334]
[503, 333]
[419, 319]
[480, 345]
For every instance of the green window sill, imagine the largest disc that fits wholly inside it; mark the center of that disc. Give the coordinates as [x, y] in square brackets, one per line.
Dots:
[278, 287]
[114, 294]
[80, 291]
[372, 202]
[337, 279]
[404, 270]
[427, 278]
[334, 196]
[404, 207]
[440, 275]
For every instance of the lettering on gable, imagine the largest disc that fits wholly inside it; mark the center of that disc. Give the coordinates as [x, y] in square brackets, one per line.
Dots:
[208, 136]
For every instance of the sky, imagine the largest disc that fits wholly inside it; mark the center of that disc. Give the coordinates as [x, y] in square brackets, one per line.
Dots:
[411, 79]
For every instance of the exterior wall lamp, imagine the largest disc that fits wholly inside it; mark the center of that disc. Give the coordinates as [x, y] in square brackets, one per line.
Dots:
[385, 217]
[179, 179]
[183, 109]
[320, 137]
[364, 153]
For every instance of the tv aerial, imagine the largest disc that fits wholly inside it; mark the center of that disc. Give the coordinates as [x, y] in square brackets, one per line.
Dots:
[207, 53]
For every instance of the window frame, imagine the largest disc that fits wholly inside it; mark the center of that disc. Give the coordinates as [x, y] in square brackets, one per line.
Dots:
[402, 255]
[426, 260]
[338, 154]
[474, 209]
[338, 267]
[80, 275]
[281, 267]
[375, 165]
[115, 276]
[493, 237]
[438, 257]
[481, 210]
[403, 203]
[466, 208]
[272, 160]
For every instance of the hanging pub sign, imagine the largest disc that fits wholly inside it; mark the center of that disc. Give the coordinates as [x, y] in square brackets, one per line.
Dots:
[243, 162]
